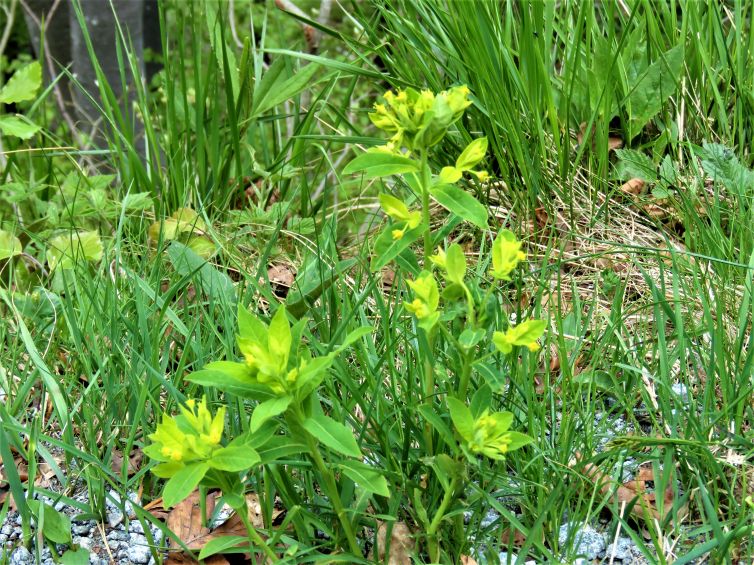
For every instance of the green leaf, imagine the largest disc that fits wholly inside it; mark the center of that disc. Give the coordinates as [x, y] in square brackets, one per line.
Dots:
[455, 264]
[163, 470]
[268, 409]
[231, 377]
[137, 201]
[462, 418]
[279, 337]
[518, 440]
[64, 251]
[18, 126]
[375, 164]
[234, 459]
[79, 556]
[217, 545]
[312, 375]
[202, 246]
[280, 447]
[366, 477]
[470, 337]
[56, 526]
[446, 468]
[251, 327]
[23, 85]
[10, 245]
[387, 248]
[183, 483]
[352, 338]
[334, 435]
[285, 90]
[461, 203]
[474, 152]
[428, 413]
[653, 88]
[311, 281]
[634, 164]
[215, 284]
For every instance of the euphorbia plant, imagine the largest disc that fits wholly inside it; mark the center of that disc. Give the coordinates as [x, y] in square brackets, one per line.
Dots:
[457, 318]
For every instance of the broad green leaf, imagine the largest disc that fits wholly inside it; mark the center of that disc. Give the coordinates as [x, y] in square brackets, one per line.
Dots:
[352, 338]
[376, 164]
[280, 447]
[312, 375]
[455, 264]
[56, 526]
[231, 377]
[137, 201]
[450, 175]
[518, 440]
[428, 413]
[23, 85]
[18, 126]
[474, 152]
[333, 434]
[462, 418]
[634, 164]
[387, 248]
[10, 245]
[285, 90]
[470, 337]
[215, 284]
[268, 409]
[183, 483]
[366, 477]
[217, 545]
[234, 459]
[78, 556]
[279, 338]
[64, 251]
[202, 246]
[163, 470]
[652, 89]
[251, 327]
[461, 203]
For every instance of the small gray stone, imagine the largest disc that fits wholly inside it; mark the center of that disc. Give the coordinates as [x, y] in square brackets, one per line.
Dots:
[489, 518]
[20, 556]
[114, 518]
[587, 541]
[6, 530]
[86, 543]
[81, 529]
[135, 527]
[138, 550]
[619, 549]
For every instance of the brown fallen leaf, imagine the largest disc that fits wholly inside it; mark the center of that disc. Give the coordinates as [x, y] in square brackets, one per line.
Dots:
[281, 279]
[516, 537]
[635, 492]
[402, 544]
[466, 560]
[613, 142]
[633, 187]
[134, 461]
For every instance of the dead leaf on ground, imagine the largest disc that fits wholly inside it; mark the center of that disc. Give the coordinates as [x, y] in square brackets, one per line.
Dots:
[633, 187]
[516, 537]
[134, 461]
[402, 544]
[281, 279]
[466, 560]
[613, 142]
[637, 492]
[185, 520]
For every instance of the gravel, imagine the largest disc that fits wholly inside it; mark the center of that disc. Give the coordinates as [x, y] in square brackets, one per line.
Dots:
[586, 541]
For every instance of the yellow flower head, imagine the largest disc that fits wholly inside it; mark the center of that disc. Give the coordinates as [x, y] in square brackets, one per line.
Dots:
[524, 334]
[506, 255]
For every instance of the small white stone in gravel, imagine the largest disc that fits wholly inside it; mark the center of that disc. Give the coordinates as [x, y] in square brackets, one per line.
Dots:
[586, 541]
[506, 558]
[138, 550]
[20, 556]
[6, 530]
[135, 527]
[489, 518]
[680, 390]
[81, 529]
[620, 549]
[86, 543]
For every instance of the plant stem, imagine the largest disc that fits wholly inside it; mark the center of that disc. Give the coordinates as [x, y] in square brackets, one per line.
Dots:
[463, 383]
[254, 537]
[332, 492]
[447, 499]
[425, 182]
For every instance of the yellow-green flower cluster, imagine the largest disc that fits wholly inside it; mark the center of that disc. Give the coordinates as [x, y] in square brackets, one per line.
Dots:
[487, 433]
[506, 255]
[524, 334]
[398, 211]
[418, 120]
[491, 436]
[426, 300]
[192, 435]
